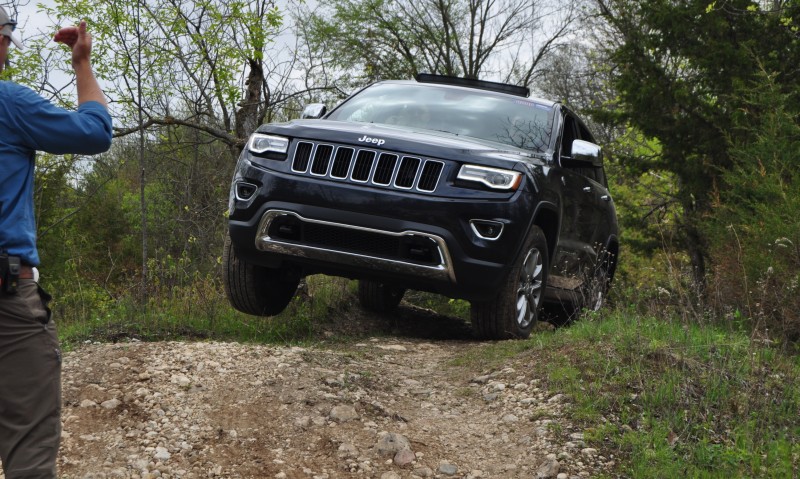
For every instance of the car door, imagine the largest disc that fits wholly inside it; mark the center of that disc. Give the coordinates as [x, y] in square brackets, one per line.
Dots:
[581, 209]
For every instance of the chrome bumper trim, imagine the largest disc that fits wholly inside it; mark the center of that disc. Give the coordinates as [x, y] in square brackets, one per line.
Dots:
[264, 242]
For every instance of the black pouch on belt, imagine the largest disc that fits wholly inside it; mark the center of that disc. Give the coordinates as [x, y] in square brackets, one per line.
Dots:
[9, 273]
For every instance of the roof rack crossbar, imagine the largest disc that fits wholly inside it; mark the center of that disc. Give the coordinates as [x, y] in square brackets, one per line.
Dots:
[480, 84]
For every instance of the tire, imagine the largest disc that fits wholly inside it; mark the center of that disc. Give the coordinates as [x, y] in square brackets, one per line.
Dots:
[254, 289]
[379, 297]
[595, 293]
[591, 296]
[515, 310]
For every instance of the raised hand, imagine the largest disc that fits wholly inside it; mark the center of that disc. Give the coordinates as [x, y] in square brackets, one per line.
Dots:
[78, 40]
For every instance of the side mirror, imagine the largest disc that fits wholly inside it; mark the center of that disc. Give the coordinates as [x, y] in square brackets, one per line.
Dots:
[587, 152]
[314, 111]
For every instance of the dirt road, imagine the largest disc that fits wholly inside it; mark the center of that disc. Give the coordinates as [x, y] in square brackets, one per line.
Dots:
[382, 406]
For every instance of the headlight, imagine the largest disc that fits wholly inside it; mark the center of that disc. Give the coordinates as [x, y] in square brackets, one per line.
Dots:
[494, 178]
[260, 144]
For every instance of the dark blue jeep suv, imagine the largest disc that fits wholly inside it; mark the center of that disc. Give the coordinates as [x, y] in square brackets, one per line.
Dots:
[465, 188]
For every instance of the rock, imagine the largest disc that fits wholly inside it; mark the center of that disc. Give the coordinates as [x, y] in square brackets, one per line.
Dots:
[393, 347]
[404, 457]
[490, 397]
[390, 475]
[448, 469]
[423, 471]
[347, 451]
[110, 404]
[162, 454]
[548, 469]
[391, 443]
[88, 403]
[343, 413]
[303, 422]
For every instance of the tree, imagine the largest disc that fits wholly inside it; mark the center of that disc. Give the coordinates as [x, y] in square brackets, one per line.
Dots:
[191, 57]
[352, 42]
[680, 69]
[210, 66]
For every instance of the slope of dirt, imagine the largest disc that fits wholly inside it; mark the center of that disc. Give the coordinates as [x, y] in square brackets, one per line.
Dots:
[384, 406]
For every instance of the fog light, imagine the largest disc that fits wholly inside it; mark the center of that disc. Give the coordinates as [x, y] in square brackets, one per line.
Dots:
[245, 191]
[485, 229]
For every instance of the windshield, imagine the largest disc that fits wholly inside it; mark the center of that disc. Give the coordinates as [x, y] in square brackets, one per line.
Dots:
[517, 122]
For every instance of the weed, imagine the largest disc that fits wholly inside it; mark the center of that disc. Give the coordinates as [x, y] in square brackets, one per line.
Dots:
[669, 399]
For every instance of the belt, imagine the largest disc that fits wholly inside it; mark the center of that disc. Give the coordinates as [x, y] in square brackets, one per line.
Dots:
[25, 272]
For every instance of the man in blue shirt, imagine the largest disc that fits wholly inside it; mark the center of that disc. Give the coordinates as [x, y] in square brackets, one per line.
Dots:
[30, 359]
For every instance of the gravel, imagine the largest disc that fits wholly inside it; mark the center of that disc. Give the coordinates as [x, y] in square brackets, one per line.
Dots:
[381, 408]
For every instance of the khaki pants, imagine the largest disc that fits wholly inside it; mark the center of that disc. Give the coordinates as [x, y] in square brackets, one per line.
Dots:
[30, 384]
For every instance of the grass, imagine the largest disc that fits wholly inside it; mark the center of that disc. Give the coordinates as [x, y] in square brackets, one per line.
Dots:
[192, 314]
[670, 399]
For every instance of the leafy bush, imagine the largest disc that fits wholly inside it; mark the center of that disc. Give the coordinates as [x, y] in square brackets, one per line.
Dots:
[755, 231]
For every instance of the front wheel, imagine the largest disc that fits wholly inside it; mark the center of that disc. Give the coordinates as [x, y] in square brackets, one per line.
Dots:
[514, 311]
[255, 289]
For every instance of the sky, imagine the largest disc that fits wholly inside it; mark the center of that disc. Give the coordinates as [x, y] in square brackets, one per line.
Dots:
[30, 21]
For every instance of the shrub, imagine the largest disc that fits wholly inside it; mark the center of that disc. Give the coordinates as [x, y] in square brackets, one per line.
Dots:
[755, 232]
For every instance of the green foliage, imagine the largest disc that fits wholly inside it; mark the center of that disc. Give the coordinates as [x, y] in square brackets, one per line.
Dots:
[755, 215]
[681, 69]
[669, 399]
[174, 56]
[190, 306]
[442, 305]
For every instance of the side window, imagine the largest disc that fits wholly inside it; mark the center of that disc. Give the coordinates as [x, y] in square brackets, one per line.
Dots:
[570, 134]
[576, 130]
[597, 174]
[585, 134]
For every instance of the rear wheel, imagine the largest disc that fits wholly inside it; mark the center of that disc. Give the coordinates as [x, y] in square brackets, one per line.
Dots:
[591, 296]
[255, 289]
[379, 297]
[594, 295]
[516, 308]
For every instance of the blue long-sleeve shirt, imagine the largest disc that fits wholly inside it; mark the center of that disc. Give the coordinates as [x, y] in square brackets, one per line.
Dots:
[29, 123]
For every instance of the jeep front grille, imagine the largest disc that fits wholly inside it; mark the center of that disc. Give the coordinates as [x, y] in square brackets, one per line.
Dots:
[378, 168]
[407, 252]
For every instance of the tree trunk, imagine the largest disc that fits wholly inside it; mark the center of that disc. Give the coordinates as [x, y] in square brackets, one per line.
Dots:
[247, 116]
[695, 245]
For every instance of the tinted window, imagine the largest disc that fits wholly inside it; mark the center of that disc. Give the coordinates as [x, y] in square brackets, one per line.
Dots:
[517, 122]
[576, 130]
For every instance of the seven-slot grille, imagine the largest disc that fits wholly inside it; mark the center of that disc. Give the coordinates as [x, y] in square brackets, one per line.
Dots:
[361, 165]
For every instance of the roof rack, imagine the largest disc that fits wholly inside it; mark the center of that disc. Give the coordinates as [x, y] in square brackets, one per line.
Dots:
[480, 84]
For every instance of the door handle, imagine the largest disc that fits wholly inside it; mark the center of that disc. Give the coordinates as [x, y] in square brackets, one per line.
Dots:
[587, 189]
[605, 198]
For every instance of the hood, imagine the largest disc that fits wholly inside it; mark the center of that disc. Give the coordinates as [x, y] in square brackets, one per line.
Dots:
[421, 142]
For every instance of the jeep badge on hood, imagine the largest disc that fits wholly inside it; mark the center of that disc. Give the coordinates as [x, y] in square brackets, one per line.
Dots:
[369, 139]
